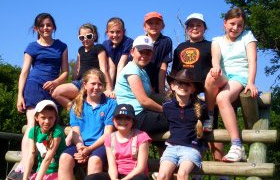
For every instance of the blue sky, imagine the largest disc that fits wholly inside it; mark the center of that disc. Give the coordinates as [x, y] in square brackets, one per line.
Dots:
[17, 18]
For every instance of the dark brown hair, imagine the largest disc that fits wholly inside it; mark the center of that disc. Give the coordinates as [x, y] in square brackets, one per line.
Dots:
[235, 13]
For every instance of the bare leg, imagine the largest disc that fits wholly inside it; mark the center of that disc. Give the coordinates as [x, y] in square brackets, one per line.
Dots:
[185, 169]
[166, 170]
[25, 143]
[95, 165]
[224, 99]
[65, 93]
[66, 166]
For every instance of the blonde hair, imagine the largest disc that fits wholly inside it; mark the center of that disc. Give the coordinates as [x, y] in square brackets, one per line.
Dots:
[77, 103]
[113, 22]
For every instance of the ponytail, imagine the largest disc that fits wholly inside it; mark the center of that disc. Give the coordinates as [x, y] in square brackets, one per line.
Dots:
[198, 115]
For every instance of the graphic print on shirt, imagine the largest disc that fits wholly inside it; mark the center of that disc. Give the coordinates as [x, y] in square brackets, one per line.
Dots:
[189, 57]
[42, 148]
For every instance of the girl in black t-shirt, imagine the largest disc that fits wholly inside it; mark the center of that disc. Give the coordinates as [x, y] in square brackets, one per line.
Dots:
[90, 55]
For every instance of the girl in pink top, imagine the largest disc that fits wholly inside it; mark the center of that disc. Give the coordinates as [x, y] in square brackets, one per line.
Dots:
[127, 149]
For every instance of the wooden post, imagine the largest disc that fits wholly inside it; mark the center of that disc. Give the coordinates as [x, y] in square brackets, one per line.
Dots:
[256, 116]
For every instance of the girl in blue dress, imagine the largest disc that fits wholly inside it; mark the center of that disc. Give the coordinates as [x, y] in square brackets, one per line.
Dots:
[48, 58]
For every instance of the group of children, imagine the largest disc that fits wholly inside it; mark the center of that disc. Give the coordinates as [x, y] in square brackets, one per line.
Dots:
[131, 72]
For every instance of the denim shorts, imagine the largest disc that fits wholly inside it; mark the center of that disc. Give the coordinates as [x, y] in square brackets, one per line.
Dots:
[99, 152]
[178, 154]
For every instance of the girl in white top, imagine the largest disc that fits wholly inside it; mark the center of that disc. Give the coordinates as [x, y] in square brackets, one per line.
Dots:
[234, 57]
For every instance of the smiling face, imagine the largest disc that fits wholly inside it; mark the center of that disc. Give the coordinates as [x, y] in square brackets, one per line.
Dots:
[195, 29]
[233, 27]
[153, 26]
[87, 42]
[115, 33]
[93, 86]
[123, 123]
[45, 28]
[141, 58]
[46, 119]
[182, 89]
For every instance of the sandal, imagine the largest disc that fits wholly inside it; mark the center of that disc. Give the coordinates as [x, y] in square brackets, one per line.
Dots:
[235, 154]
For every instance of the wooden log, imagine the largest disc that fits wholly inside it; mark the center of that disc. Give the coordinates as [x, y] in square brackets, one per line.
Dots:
[10, 136]
[13, 156]
[221, 135]
[250, 109]
[230, 169]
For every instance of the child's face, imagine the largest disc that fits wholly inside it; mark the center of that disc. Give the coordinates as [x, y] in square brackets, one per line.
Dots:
[87, 37]
[46, 119]
[182, 89]
[123, 122]
[94, 86]
[234, 27]
[195, 30]
[46, 28]
[141, 58]
[153, 26]
[115, 34]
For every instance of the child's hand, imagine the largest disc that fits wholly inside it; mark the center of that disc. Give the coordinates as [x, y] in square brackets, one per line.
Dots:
[50, 86]
[110, 94]
[215, 72]
[86, 151]
[21, 105]
[80, 158]
[252, 88]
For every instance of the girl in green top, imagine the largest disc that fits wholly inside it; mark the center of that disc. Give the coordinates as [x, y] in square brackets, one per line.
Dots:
[47, 141]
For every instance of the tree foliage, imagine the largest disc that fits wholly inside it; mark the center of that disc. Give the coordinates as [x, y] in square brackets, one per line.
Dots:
[263, 18]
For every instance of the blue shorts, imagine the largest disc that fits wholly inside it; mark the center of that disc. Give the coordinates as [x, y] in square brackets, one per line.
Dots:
[99, 152]
[77, 83]
[240, 79]
[178, 154]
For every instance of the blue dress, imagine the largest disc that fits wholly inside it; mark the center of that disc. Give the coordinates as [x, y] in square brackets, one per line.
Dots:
[46, 64]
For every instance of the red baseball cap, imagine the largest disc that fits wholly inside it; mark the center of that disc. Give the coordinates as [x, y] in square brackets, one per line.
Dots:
[151, 15]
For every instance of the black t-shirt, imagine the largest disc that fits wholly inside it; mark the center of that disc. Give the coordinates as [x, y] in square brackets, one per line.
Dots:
[194, 56]
[89, 59]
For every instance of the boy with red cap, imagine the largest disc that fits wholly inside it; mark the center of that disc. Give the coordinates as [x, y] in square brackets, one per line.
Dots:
[162, 52]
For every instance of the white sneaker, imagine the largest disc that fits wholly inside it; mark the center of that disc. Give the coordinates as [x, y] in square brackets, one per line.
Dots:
[235, 154]
[208, 124]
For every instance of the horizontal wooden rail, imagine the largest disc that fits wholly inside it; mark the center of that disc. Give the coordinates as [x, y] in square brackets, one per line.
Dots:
[221, 135]
[10, 136]
[222, 168]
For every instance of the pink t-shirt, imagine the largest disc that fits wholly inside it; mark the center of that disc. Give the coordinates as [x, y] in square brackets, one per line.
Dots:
[123, 152]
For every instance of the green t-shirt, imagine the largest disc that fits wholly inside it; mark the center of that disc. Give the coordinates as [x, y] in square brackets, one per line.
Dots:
[41, 143]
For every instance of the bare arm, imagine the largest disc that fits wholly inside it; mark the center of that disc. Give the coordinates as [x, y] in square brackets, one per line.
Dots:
[112, 170]
[100, 141]
[51, 85]
[48, 158]
[122, 63]
[251, 50]
[142, 160]
[112, 69]
[103, 64]
[137, 89]
[30, 160]
[161, 78]
[76, 68]
[27, 61]
[216, 59]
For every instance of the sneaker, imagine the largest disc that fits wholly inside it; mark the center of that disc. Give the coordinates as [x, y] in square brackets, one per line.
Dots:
[13, 175]
[235, 154]
[154, 175]
[208, 124]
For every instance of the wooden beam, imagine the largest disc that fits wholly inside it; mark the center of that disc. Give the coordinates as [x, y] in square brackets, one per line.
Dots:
[231, 169]
[221, 135]
[10, 136]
